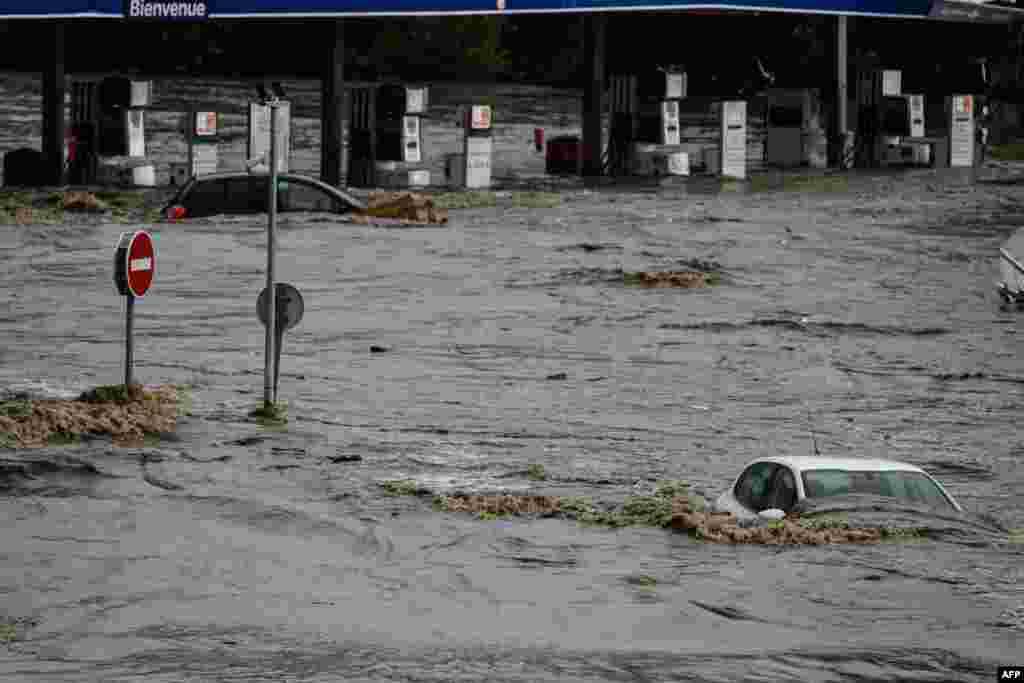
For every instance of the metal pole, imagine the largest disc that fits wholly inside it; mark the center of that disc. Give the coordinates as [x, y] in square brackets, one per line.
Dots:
[841, 96]
[268, 374]
[128, 343]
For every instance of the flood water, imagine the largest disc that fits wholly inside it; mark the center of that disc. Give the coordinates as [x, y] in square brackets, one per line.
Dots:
[865, 323]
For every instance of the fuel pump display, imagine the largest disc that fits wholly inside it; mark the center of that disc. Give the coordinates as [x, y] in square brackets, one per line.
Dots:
[478, 146]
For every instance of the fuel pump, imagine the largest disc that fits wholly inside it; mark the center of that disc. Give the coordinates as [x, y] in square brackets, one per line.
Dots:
[201, 129]
[656, 146]
[477, 146]
[733, 138]
[399, 134]
[960, 110]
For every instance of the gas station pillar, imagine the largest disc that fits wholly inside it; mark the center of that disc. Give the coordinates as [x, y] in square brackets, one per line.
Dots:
[332, 121]
[54, 89]
[595, 47]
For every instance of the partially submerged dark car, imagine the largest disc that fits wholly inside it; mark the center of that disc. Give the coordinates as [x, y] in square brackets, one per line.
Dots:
[244, 192]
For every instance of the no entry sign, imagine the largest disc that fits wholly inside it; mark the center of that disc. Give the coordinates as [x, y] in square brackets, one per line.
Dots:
[134, 263]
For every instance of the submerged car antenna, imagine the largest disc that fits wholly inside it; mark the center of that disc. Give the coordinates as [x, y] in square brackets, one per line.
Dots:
[810, 429]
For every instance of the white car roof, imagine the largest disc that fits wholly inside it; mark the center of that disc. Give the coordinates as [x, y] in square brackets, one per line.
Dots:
[802, 463]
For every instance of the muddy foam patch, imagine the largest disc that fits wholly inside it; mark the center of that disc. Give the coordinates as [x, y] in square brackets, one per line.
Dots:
[126, 416]
[670, 506]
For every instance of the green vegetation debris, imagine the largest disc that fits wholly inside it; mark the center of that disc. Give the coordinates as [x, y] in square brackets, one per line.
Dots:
[16, 408]
[111, 393]
[403, 487]
[482, 199]
[8, 633]
[642, 581]
[272, 415]
[1013, 151]
[536, 473]
[184, 403]
[62, 438]
[824, 522]
[465, 200]
[902, 533]
[812, 182]
[1016, 536]
[8, 440]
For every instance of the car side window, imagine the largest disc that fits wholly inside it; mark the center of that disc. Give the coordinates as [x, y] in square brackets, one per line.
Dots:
[295, 195]
[783, 496]
[246, 195]
[205, 197]
[752, 489]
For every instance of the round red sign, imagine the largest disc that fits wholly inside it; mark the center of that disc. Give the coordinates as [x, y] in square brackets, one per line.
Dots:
[141, 264]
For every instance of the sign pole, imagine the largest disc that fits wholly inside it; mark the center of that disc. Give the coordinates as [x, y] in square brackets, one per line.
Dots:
[129, 309]
[268, 373]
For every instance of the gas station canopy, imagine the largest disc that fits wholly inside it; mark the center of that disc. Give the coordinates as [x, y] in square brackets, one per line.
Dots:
[192, 10]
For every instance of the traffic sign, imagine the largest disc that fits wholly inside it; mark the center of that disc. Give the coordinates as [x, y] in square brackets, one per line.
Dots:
[134, 263]
[288, 310]
[288, 306]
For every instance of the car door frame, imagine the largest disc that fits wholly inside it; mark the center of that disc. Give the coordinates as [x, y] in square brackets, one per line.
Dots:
[746, 471]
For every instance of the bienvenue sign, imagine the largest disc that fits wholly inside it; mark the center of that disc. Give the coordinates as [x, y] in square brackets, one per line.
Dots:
[167, 10]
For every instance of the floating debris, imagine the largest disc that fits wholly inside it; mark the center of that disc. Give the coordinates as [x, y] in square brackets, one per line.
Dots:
[346, 457]
[82, 201]
[127, 415]
[671, 506]
[403, 487]
[536, 472]
[687, 279]
[405, 206]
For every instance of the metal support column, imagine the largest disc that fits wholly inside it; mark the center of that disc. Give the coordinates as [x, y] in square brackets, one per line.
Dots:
[53, 106]
[332, 107]
[595, 47]
[842, 98]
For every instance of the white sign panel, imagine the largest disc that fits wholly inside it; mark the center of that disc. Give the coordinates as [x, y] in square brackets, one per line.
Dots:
[203, 159]
[675, 85]
[670, 122]
[259, 134]
[416, 100]
[141, 93]
[478, 162]
[136, 133]
[411, 148]
[734, 139]
[206, 123]
[480, 117]
[891, 83]
[915, 107]
[961, 131]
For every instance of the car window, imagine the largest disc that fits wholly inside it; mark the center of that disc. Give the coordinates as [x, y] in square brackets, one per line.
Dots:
[920, 488]
[783, 495]
[246, 195]
[295, 195]
[822, 483]
[752, 489]
[912, 487]
[205, 197]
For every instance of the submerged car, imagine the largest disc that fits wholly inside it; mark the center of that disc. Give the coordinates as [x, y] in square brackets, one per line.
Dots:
[245, 192]
[1011, 267]
[779, 483]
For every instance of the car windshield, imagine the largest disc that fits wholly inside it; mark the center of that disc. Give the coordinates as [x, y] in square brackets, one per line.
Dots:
[910, 487]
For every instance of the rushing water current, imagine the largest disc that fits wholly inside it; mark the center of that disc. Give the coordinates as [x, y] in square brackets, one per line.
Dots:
[863, 323]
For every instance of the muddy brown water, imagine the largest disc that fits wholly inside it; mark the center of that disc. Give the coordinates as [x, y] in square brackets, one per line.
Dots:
[241, 553]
